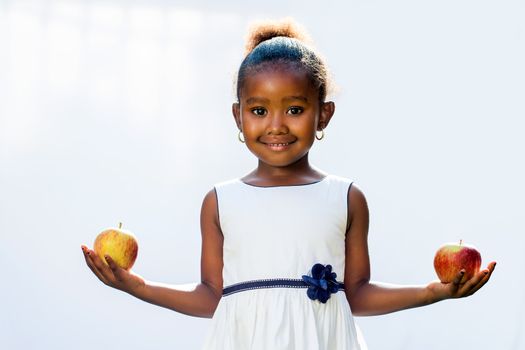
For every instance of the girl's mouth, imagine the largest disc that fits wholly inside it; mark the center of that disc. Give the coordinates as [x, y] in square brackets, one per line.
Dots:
[278, 146]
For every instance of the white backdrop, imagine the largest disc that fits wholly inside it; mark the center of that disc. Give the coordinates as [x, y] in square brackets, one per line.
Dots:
[120, 111]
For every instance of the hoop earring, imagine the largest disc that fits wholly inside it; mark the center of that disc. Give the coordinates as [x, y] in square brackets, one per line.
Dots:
[320, 137]
[239, 136]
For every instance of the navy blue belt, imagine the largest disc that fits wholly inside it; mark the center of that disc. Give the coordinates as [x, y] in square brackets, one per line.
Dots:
[319, 286]
[269, 283]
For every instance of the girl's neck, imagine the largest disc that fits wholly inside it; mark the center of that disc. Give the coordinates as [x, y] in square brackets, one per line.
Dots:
[299, 173]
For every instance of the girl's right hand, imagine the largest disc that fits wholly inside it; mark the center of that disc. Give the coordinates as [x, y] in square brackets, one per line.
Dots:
[455, 289]
[111, 274]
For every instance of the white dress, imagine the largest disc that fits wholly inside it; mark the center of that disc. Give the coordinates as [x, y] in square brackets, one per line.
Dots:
[281, 232]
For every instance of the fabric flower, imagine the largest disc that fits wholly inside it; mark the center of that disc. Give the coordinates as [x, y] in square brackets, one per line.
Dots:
[321, 283]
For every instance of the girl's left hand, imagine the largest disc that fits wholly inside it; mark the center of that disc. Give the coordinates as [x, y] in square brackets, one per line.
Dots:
[440, 291]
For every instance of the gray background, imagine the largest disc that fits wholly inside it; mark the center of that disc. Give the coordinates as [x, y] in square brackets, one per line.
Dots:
[120, 111]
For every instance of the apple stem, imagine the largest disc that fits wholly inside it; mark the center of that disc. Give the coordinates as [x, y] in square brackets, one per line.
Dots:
[120, 226]
[460, 242]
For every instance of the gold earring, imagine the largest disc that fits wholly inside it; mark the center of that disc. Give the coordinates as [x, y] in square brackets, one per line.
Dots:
[320, 137]
[239, 136]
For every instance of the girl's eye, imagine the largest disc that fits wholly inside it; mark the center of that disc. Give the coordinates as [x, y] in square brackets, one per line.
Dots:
[259, 111]
[295, 110]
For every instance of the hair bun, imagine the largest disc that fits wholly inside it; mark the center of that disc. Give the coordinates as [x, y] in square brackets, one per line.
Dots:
[266, 30]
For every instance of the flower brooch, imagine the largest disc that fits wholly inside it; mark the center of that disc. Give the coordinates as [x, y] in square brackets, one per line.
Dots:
[321, 283]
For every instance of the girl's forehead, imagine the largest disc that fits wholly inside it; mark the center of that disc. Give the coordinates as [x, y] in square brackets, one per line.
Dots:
[277, 80]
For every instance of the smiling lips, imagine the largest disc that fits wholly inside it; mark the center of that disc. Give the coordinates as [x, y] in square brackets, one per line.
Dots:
[278, 146]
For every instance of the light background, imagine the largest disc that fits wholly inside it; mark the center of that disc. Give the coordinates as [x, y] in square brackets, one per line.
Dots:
[120, 111]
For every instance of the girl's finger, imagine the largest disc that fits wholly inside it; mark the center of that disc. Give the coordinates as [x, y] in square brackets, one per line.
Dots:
[456, 282]
[481, 283]
[89, 262]
[487, 273]
[102, 268]
[471, 283]
[117, 270]
[92, 267]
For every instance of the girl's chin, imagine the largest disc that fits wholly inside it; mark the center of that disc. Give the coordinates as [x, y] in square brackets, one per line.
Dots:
[280, 162]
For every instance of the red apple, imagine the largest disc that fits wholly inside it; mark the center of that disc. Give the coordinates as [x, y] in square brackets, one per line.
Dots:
[121, 245]
[453, 257]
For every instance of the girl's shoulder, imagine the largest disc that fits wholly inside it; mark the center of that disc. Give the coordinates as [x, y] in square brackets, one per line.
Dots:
[227, 183]
[340, 179]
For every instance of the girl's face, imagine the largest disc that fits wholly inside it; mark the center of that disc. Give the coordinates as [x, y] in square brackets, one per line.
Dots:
[279, 112]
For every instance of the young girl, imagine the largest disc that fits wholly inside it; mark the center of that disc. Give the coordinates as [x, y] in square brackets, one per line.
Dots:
[284, 260]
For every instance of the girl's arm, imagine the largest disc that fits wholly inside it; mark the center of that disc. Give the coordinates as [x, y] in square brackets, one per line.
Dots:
[368, 298]
[199, 299]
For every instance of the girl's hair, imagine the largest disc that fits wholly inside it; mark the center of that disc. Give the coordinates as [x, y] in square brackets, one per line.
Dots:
[282, 42]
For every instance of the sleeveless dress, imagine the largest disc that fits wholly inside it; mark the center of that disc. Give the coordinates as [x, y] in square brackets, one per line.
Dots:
[281, 232]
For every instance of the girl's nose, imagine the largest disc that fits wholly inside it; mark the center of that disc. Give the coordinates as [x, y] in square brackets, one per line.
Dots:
[277, 124]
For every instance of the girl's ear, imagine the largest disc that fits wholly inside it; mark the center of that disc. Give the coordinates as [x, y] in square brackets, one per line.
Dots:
[327, 111]
[236, 110]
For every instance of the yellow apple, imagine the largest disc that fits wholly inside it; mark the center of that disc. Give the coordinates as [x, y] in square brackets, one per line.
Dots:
[121, 245]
